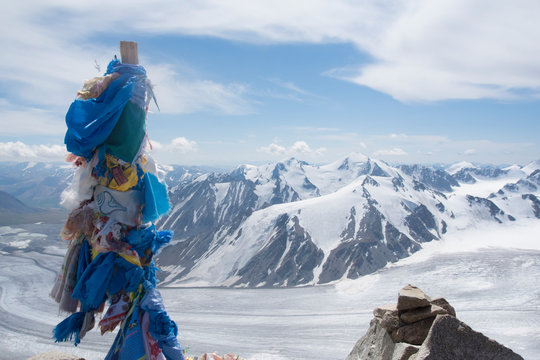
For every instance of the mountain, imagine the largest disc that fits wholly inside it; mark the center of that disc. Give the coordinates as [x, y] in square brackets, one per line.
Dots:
[11, 203]
[36, 184]
[293, 223]
[13, 211]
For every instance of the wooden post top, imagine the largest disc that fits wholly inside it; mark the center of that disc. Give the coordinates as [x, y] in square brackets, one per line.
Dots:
[129, 53]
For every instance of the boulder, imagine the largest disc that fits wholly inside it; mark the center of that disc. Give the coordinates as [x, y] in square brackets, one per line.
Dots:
[403, 351]
[414, 333]
[445, 305]
[451, 339]
[376, 344]
[411, 297]
[412, 316]
[383, 309]
[390, 321]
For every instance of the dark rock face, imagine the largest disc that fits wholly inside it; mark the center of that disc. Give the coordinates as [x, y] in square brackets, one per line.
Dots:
[200, 217]
[435, 179]
[494, 210]
[288, 260]
[452, 339]
[535, 203]
[420, 221]
[361, 252]
[467, 175]
[464, 177]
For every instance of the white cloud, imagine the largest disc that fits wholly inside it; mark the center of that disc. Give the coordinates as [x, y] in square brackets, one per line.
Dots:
[19, 151]
[298, 148]
[422, 50]
[301, 147]
[274, 149]
[469, 152]
[182, 145]
[390, 152]
[156, 145]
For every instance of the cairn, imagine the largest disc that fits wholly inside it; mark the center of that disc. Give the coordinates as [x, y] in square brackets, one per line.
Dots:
[421, 328]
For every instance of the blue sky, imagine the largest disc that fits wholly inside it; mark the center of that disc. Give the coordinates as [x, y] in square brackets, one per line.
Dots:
[254, 82]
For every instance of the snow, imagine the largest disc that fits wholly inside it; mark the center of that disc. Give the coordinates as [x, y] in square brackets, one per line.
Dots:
[489, 274]
[531, 167]
[325, 217]
[221, 190]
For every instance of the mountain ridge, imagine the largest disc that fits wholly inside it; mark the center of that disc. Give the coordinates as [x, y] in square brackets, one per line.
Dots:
[293, 224]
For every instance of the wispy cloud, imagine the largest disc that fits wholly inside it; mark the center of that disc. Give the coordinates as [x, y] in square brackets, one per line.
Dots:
[298, 148]
[390, 152]
[422, 50]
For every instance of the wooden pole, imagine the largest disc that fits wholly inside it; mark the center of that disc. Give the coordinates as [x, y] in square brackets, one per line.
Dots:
[128, 52]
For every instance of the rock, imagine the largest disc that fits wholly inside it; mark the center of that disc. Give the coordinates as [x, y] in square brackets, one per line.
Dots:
[411, 297]
[376, 344]
[388, 316]
[390, 321]
[412, 316]
[383, 309]
[403, 351]
[451, 339]
[445, 305]
[413, 333]
[55, 355]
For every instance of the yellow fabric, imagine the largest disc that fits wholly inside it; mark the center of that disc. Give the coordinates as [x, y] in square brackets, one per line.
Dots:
[130, 172]
[131, 175]
[132, 259]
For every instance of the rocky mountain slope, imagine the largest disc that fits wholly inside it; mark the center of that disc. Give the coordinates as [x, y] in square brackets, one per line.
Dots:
[293, 223]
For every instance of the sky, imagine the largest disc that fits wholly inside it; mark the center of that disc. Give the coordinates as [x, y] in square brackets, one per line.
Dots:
[412, 81]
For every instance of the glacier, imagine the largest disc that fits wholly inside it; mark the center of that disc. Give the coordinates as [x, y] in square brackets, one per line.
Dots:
[489, 273]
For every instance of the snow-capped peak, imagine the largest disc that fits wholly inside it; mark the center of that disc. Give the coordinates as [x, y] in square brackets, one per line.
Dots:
[454, 168]
[531, 167]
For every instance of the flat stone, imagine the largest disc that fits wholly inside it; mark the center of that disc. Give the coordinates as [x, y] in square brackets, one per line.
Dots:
[383, 309]
[445, 305]
[413, 333]
[414, 315]
[411, 297]
[403, 351]
[451, 339]
[376, 344]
